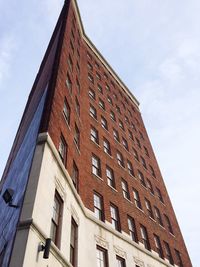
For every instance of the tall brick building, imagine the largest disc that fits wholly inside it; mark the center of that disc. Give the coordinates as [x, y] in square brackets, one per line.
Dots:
[82, 170]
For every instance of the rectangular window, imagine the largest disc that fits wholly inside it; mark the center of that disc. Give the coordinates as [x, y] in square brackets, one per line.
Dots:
[135, 154]
[110, 177]
[56, 219]
[143, 162]
[94, 136]
[100, 88]
[141, 136]
[77, 107]
[158, 216]
[112, 115]
[98, 206]
[89, 66]
[159, 194]
[78, 68]
[106, 146]
[77, 137]
[115, 217]
[141, 178]
[179, 259]
[132, 229]
[168, 253]
[93, 112]
[90, 78]
[69, 83]
[107, 88]
[120, 159]
[109, 100]
[102, 257]
[78, 86]
[130, 135]
[98, 76]
[116, 135]
[120, 262]
[75, 176]
[149, 186]
[101, 104]
[96, 166]
[130, 168]
[149, 208]
[145, 238]
[91, 94]
[121, 125]
[169, 226]
[104, 123]
[63, 149]
[125, 143]
[125, 190]
[137, 199]
[118, 109]
[70, 63]
[66, 111]
[146, 151]
[152, 171]
[138, 142]
[73, 243]
[158, 246]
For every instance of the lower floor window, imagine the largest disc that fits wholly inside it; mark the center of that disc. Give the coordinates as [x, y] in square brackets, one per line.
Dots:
[102, 257]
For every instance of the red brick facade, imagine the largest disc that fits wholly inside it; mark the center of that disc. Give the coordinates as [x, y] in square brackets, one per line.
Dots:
[77, 60]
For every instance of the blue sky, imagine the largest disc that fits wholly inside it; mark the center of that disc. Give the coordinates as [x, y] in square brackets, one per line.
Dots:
[154, 46]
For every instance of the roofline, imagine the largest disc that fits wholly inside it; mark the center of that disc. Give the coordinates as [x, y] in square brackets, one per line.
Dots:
[101, 58]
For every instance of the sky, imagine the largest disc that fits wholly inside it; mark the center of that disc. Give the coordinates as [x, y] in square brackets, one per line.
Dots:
[154, 46]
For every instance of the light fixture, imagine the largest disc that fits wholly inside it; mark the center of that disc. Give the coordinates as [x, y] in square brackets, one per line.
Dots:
[8, 197]
[46, 248]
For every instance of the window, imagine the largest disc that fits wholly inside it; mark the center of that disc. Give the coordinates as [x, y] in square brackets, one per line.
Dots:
[70, 63]
[75, 176]
[149, 186]
[101, 104]
[73, 243]
[89, 56]
[106, 146]
[104, 123]
[115, 217]
[116, 135]
[115, 96]
[130, 168]
[137, 199]
[63, 149]
[112, 115]
[100, 88]
[121, 125]
[56, 219]
[125, 190]
[143, 162]
[98, 206]
[77, 137]
[90, 78]
[94, 136]
[120, 262]
[72, 47]
[152, 171]
[159, 194]
[129, 113]
[102, 258]
[130, 134]
[168, 253]
[78, 86]
[107, 88]
[118, 109]
[91, 94]
[110, 100]
[77, 107]
[135, 154]
[141, 178]
[146, 151]
[133, 126]
[149, 208]
[158, 216]
[110, 177]
[89, 66]
[132, 229]
[179, 259]
[66, 111]
[141, 136]
[125, 143]
[158, 246]
[78, 68]
[98, 76]
[169, 226]
[93, 112]
[126, 119]
[69, 83]
[96, 166]
[120, 159]
[138, 142]
[144, 235]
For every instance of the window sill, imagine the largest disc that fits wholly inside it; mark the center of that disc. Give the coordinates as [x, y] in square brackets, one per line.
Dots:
[97, 176]
[140, 209]
[108, 155]
[128, 200]
[114, 189]
[66, 121]
[95, 119]
[77, 148]
[95, 144]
